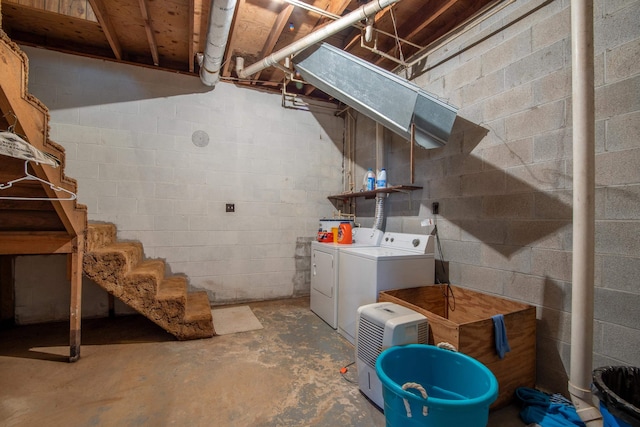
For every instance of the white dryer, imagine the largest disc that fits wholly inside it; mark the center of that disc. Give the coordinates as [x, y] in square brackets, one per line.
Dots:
[325, 268]
[401, 261]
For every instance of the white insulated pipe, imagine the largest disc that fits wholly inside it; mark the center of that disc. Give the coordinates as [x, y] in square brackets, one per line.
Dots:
[580, 376]
[362, 13]
[219, 26]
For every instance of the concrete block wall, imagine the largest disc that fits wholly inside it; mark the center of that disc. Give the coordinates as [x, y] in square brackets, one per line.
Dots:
[132, 140]
[504, 180]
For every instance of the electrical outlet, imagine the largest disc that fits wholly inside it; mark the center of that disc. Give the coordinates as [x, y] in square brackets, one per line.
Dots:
[435, 208]
[231, 207]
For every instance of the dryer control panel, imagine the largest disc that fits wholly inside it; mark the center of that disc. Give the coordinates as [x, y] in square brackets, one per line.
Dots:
[418, 243]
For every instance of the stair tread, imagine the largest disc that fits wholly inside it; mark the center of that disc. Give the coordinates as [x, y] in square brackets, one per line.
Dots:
[198, 306]
[150, 266]
[97, 225]
[119, 246]
[99, 235]
[172, 287]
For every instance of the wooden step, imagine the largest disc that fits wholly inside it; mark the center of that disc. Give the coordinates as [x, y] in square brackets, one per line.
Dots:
[198, 306]
[171, 300]
[99, 235]
[197, 320]
[172, 288]
[144, 279]
[114, 260]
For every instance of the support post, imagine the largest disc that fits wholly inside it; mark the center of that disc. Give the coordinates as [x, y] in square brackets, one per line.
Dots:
[76, 298]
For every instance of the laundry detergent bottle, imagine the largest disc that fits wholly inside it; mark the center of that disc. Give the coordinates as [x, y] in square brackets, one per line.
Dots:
[369, 180]
[381, 181]
[345, 234]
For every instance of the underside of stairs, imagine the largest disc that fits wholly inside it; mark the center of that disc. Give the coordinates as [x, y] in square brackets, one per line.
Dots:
[120, 268]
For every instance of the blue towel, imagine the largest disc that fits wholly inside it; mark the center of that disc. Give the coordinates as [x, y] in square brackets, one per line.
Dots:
[502, 343]
[539, 408]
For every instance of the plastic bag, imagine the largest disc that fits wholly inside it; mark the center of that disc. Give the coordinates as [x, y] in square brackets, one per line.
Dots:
[618, 388]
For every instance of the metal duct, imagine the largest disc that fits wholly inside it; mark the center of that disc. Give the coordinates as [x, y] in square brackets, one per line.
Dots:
[377, 93]
[217, 35]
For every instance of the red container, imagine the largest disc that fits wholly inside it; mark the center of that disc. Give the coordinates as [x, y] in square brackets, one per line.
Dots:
[325, 237]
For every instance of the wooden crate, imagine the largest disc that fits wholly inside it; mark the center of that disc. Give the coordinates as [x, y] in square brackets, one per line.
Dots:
[462, 317]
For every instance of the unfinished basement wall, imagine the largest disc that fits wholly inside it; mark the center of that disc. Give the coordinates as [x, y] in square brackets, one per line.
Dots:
[504, 181]
[160, 155]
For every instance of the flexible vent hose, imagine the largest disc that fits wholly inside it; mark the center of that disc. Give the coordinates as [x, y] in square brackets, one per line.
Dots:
[379, 215]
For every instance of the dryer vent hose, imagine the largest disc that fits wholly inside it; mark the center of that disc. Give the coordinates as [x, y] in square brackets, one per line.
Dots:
[379, 215]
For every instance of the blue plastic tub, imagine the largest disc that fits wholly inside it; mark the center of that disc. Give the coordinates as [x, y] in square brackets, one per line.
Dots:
[459, 388]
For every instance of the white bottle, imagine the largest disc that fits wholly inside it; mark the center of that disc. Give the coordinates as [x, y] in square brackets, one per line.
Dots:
[382, 179]
[370, 178]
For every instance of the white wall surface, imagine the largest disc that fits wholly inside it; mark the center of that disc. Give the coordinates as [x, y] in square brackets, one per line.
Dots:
[504, 180]
[127, 132]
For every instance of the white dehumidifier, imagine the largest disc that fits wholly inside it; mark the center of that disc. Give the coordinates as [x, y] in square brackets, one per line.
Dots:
[378, 327]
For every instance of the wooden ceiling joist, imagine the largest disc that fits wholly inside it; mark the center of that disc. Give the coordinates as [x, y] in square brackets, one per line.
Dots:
[276, 31]
[195, 29]
[153, 46]
[338, 7]
[107, 27]
[176, 30]
[421, 25]
[226, 67]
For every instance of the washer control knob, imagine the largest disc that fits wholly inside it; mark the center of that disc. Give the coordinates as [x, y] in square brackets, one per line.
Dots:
[415, 242]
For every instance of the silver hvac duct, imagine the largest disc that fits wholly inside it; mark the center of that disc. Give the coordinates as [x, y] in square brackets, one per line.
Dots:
[360, 14]
[378, 94]
[219, 26]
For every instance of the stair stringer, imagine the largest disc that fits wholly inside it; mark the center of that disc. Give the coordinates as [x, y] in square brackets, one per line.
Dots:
[120, 269]
[32, 120]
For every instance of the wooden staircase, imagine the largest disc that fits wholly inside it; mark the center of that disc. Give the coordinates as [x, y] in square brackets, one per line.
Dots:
[33, 218]
[120, 268]
[47, 224]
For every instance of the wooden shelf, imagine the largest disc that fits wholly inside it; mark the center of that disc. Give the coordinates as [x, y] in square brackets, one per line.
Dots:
[371, 194]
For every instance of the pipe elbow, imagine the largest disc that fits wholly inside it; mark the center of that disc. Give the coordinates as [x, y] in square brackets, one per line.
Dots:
[582, 400]
[239, 64]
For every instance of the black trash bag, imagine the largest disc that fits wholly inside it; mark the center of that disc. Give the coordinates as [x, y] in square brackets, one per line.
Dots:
[618, 388]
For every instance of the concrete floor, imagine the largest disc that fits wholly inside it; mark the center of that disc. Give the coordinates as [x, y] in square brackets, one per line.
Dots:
[132, 373]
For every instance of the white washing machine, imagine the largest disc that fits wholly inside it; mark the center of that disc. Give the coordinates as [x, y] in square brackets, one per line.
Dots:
[401, 261]
[325, 268]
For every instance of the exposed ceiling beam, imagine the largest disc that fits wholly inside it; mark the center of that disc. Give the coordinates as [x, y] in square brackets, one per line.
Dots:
[338, 7]
[425, 22]
[107, 27]
[422, 25]
[230, 45]
[276, 31]
[151, 38]
[195, 28]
